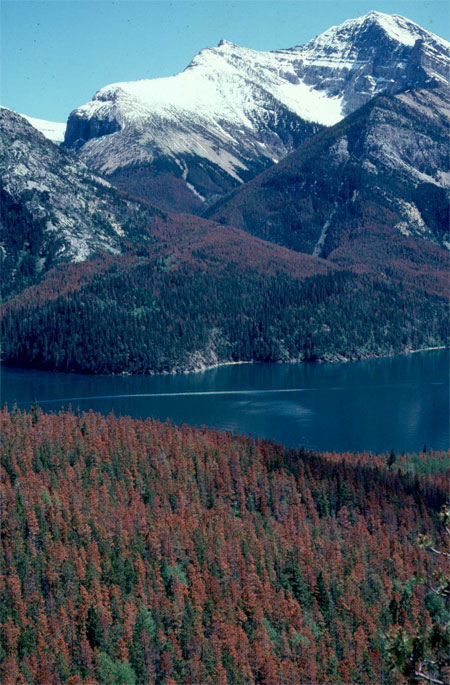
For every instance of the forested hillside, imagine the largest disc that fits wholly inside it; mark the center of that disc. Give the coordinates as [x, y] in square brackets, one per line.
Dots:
[140, 552]
[146, 315]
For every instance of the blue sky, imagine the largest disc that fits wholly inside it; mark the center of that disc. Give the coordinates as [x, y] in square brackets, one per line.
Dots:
[55, 54]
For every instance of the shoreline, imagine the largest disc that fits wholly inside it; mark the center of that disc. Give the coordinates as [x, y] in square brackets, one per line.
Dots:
[425, 349]
[338, 359]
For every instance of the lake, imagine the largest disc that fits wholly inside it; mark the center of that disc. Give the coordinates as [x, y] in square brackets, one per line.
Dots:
[399, 402]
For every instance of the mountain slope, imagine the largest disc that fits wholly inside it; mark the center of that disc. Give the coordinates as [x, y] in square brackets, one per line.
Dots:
[198, 294]
[380, 175]
[175, 307]
[53, 208]
[234, 111]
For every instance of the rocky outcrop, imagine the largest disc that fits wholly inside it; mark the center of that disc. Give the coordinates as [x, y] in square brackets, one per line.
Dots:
[80, 130]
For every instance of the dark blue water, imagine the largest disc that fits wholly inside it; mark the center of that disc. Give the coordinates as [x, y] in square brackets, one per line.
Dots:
[399, 402]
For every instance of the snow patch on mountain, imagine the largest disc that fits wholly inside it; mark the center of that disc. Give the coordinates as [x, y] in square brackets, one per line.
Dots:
[53, 130]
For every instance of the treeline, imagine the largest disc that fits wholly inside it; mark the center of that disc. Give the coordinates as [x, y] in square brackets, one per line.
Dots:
[140, 552]
[144, 316]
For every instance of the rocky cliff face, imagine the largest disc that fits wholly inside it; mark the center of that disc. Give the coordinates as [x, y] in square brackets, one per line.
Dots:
[235, 111]
[82, 130]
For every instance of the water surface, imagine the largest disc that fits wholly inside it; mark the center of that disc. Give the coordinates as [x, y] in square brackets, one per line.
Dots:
[399, 402]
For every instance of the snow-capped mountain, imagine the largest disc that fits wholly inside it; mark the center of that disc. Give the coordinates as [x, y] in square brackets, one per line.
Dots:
[234, 111]
[53, 130]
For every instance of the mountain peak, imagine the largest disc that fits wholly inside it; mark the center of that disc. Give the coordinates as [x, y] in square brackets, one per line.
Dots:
[223, 43]
[394, 26]
[210, 57]
[398, 28]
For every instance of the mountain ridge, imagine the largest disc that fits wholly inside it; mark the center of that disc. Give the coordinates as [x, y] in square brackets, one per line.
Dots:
[54, 208]
[235, 111]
